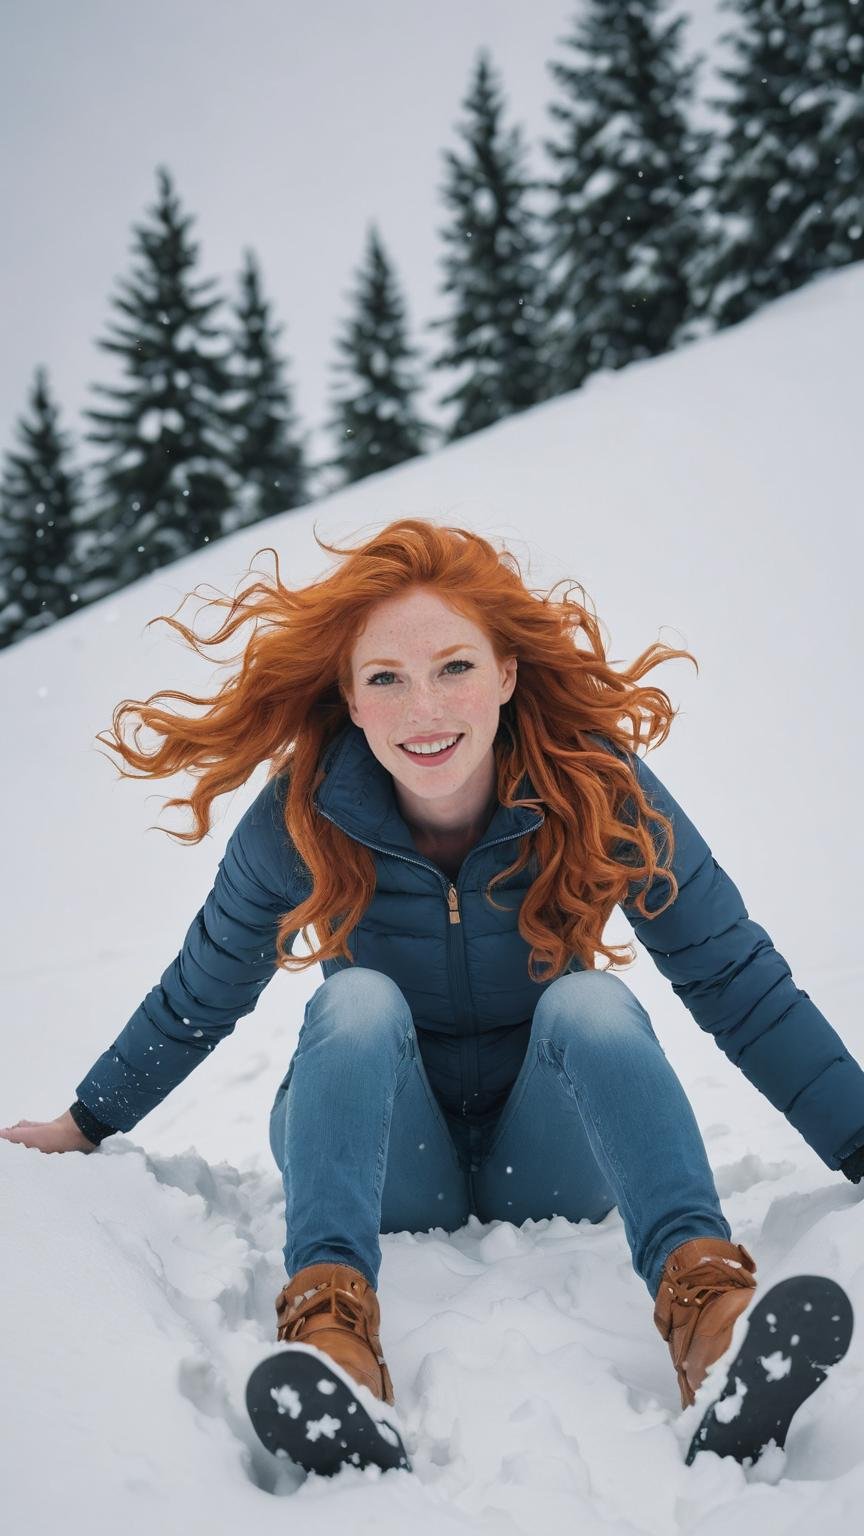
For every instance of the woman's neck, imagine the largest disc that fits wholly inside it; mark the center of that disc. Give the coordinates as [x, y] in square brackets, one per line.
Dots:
[462, 822]
[462, 836]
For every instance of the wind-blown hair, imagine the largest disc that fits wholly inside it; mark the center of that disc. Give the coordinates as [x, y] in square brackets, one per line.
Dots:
[286, 703]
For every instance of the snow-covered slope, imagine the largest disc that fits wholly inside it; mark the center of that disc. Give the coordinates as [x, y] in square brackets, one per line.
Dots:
[710, 499]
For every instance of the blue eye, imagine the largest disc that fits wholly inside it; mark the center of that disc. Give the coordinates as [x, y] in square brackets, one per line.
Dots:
[457, 661]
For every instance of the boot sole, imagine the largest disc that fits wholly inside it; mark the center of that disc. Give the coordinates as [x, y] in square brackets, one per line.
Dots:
[798, 1330]
[303, 1406]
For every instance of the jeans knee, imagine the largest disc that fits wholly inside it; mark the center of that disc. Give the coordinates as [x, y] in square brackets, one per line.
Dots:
[588, 1006]
[361, 1001]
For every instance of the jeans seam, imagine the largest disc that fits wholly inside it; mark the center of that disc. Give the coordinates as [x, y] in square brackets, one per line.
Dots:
[433, 1103]
[381, 1163]
[560, 1068]
[406, 1049]
[511, 1106]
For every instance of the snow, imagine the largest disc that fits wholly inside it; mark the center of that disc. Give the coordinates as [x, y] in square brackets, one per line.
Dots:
[326, 1425]
[776, 1366]
[288, 1401]
[711, 499]
[730, 1408]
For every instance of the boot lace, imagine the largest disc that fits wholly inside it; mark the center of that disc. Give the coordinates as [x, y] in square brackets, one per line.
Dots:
[707, 1279]
[326, 1297]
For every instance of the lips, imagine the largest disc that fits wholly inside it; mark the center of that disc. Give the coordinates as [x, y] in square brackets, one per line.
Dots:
[432, 757]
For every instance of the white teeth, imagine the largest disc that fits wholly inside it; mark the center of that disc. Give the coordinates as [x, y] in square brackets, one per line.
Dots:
[431, 746]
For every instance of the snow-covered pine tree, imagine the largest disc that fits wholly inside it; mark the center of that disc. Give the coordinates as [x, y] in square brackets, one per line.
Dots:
[374, 419]
[491, 268]
[768, 229]
[624, 215]
[39, 496]
[268, 458]
[837, 72]
[165, 483]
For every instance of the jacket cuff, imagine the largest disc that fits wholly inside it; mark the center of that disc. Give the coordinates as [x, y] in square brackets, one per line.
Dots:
[853, 1166]
[87, 1123]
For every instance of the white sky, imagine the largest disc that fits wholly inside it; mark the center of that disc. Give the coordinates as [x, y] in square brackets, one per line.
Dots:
[287, 127]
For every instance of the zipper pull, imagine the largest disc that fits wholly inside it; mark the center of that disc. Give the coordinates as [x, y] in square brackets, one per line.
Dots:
[453, 903]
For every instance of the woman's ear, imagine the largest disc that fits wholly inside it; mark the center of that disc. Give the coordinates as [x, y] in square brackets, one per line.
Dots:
[508, 678]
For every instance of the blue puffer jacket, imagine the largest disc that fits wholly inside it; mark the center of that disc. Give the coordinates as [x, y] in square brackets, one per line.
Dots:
[463, 967]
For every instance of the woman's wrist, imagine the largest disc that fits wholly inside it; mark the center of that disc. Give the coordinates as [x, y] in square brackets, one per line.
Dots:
[70, 1124]
[95, 1130]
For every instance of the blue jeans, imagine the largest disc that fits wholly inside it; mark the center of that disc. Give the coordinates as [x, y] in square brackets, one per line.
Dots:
[596, 1118]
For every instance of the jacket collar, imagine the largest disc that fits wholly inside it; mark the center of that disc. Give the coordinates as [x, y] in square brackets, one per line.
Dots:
[357, 794]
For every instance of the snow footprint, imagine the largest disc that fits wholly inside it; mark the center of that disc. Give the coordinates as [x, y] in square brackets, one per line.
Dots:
[747, 1172]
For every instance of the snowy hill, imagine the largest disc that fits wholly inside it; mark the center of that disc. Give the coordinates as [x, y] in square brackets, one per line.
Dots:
[710, 499]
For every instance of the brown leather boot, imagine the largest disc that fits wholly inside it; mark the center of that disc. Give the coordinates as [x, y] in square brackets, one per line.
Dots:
[706, 1284]
[333, 1307]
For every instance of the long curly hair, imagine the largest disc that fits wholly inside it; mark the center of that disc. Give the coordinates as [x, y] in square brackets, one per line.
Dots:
[286, 702]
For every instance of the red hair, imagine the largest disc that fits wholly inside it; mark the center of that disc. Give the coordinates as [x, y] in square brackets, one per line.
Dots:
[286, 702]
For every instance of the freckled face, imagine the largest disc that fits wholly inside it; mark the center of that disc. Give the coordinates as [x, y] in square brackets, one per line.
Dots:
[420, 693]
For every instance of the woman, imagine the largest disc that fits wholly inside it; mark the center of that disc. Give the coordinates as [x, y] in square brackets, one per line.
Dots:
[456, 804]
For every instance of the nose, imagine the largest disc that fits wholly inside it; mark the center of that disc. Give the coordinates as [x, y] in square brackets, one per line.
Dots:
[423, 710]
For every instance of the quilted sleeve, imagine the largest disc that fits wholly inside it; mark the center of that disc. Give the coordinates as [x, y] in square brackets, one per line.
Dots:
[738, 987]
[226, 960]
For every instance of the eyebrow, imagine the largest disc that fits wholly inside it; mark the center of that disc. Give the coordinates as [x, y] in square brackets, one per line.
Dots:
[387, 661]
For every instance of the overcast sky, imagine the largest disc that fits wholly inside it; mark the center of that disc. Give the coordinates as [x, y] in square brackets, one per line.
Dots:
[287, 126]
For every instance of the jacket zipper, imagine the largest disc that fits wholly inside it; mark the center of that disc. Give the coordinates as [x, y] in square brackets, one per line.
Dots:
[452, 893]
[451, 889]
[471, 1080]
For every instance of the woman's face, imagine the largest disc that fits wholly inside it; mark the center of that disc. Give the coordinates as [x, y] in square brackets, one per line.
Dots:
[404, 690]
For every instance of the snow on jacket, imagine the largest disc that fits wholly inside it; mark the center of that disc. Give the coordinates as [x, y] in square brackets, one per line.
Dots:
[463, 966]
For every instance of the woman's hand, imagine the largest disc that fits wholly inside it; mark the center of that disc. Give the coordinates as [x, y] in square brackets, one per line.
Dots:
[60, 1135]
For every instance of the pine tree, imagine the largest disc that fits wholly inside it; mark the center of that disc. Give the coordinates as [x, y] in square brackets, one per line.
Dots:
[39, 497]
[769, 228]
[624, 217]
[491, 268]
[165, 484]
[374, 417]
[268, 460]
[837, 71]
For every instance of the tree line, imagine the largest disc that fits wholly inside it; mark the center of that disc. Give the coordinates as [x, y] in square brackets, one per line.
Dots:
[652, 234]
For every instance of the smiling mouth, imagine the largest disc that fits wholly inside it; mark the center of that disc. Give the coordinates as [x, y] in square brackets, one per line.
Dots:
[431, 757]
